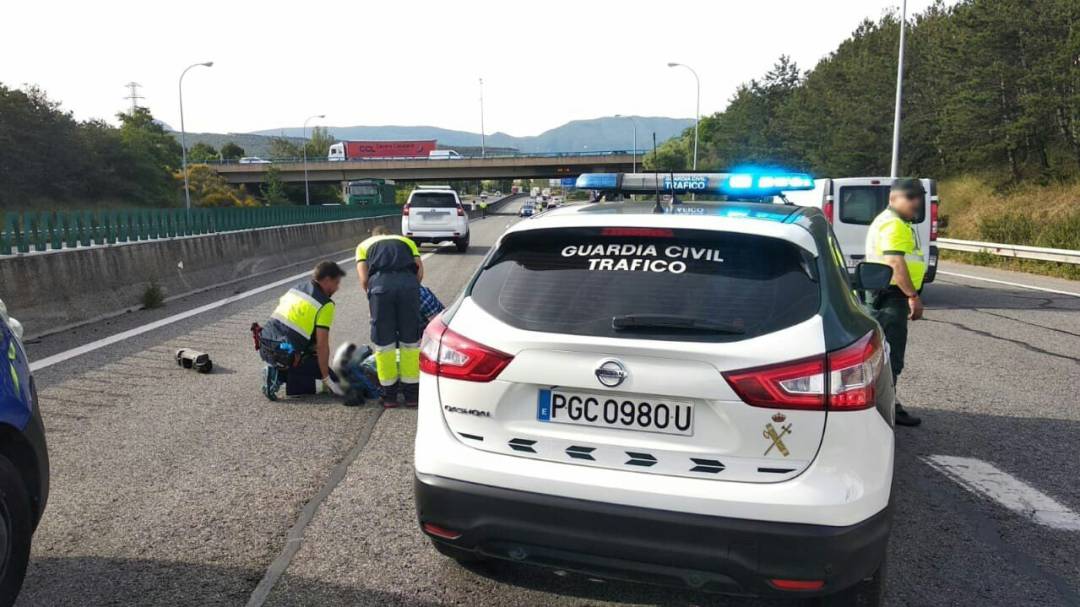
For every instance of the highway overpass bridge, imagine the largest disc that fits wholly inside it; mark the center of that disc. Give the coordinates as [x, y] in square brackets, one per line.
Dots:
[422, 169]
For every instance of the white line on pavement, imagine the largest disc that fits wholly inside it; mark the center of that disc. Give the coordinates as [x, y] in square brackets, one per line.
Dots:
[984, 479]
[60, 357]
[1011, 284]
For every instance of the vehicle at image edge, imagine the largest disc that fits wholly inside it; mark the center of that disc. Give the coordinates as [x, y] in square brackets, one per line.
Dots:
[434, 214]
[444, 155]
[369, 192]
[24, 460]
[253, 160]
[374, 150]
[643, 395]
[852, 203]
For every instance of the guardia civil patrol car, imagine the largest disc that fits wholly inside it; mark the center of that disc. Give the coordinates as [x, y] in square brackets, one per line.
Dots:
[681, 392]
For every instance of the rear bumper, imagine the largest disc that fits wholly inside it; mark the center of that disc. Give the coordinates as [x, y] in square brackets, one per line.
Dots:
[716, 554]
[438, 236]
[931, 265]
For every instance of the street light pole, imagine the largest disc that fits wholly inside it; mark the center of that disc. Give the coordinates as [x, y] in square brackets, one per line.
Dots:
[307, 195]
[483, 136]
[183, 137]
[697, 110]
[633, 122]
[894, 172]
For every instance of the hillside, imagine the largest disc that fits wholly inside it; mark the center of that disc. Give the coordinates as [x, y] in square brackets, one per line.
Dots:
[608, 133]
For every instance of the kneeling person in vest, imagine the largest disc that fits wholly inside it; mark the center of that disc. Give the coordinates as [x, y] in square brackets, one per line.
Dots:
[390, 273]
[295, 343]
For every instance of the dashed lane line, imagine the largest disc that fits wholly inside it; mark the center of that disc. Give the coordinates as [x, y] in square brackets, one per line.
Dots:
[983, 478]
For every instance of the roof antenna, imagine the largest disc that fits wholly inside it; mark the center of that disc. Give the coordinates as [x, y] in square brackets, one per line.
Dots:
[659, 208]
[674, 198]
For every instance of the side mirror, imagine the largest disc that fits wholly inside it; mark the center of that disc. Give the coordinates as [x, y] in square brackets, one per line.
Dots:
[870, 276]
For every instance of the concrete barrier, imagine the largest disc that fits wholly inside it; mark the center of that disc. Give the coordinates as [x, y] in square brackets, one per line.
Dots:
[52, 291]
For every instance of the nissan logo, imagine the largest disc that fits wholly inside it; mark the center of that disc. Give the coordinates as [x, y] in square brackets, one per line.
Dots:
[611, 373]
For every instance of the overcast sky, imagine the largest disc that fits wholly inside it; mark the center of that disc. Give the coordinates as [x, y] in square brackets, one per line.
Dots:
[373, 62]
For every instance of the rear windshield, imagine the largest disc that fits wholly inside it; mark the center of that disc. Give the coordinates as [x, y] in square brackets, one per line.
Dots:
[860, 204]
[437, 200]
[637, 283]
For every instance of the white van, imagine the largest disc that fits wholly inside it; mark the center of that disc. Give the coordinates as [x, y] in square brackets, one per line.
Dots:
[444, 155]
[852, 203]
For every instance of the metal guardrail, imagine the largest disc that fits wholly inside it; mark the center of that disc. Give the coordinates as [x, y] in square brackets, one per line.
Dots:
[1010, 250]
[44, 231]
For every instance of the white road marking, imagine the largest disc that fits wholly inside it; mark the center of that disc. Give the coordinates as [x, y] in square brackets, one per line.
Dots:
[60, 357]
[1011, 284]
[986, 480]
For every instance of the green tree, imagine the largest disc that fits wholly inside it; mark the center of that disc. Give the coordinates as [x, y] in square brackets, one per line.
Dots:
[281, 147]
[318, 145]
[273, 188]
[202, 152]
[154, 154]
[231, 151]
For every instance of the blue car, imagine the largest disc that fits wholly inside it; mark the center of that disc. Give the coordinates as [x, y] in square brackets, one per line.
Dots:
[24, 460]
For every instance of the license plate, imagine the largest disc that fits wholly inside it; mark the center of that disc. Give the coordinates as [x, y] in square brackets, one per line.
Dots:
[624, 412]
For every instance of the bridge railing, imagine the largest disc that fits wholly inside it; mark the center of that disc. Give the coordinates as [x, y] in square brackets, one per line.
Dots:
[488, 156]
[49, 230]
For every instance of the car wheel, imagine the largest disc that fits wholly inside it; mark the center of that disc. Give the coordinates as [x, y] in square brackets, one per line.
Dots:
[462, 244]
[869, 592]
[465, 557]
[16, 527]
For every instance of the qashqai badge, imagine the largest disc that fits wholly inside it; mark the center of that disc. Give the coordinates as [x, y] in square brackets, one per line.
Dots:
[611, 373]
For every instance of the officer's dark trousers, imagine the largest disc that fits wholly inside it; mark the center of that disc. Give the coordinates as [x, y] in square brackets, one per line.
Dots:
[890, 309]
[395, 329]
[301, 378]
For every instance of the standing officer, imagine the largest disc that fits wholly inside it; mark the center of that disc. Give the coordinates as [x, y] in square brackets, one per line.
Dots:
[893, 241]
[390, 273]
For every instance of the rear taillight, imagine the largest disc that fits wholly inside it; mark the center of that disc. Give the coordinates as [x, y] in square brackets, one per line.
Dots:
[405, 210]
[447, 354]
[797, 585]
[460, 212]
[934, 201]
[827, 208]
[801, 384]
[442, 532]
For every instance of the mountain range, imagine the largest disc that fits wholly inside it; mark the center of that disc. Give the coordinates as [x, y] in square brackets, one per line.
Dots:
[607, 133]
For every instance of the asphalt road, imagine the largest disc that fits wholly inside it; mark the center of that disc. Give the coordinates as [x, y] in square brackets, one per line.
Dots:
[172, 488]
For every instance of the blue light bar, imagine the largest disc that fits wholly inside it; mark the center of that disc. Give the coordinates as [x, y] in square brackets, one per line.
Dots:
[747, 183]
[598, 181]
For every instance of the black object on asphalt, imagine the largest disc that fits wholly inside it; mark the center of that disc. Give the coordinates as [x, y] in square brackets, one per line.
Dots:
[194, 359]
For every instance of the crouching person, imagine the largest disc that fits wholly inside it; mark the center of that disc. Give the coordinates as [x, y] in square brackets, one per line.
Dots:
[295, 343]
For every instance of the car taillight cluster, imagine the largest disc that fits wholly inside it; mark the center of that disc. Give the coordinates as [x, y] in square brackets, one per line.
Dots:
[827, 208]
[405, 210]
[934, 202]
[842, 380]
[460, 212]
[445, 353]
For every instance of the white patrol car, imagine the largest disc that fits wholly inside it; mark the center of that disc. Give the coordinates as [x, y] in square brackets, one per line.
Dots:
[683, 393]
[434, 214]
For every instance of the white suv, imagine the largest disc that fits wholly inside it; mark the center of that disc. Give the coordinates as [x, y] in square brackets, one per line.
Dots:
[683, 394]
[434, 214]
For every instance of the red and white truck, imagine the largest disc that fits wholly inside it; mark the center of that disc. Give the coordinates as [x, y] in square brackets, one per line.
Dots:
[363, 150]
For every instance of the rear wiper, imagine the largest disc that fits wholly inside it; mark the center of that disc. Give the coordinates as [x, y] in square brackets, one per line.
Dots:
[669, 321]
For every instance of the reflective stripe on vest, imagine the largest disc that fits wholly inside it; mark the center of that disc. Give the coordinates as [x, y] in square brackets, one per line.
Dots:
[876, 245]
[298, 308]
